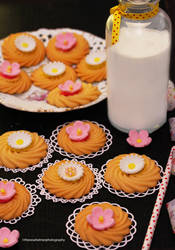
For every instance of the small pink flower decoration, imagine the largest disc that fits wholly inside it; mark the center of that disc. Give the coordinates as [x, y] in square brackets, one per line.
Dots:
[37, 96]
[8, 238]
[9, 70]
[65, 41]
[139, 139]
[7, 191]
[101, 219]
[79, 131]
[70, 87]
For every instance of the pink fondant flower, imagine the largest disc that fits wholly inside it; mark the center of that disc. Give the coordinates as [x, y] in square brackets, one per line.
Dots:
[65, 41]
[8, 238]
[9, 70]
[79, 131]
[139, 139]
[101, 219]
[7, 191]
[37, 96]
[70, 87]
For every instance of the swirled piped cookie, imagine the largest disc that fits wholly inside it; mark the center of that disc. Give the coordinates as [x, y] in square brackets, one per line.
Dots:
[14, 200]
[68, 179]
[67, 47]
[13, 80]
[50, 75]
[21, 149]
[132, 173]
[81, 138]
[72, 94]
[92, 68]
[102, 224]
[24, 48]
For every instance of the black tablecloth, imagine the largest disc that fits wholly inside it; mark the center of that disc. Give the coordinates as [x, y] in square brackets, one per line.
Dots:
[48, 221]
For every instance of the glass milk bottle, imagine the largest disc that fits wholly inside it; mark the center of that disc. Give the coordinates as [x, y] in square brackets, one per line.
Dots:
[138, 65]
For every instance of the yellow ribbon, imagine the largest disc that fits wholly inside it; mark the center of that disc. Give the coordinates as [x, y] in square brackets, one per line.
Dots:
[119, 11]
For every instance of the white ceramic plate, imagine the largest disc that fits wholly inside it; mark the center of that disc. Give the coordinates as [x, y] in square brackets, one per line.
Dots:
[21, 101]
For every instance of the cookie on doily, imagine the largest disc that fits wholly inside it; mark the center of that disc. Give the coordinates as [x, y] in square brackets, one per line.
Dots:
[50, 75]
[67, 47]
[92, 68]
[17, 200]
[13, 80]
[73, 94]
[21, 149]
[81, 138]
[132, 173]
[24, 48]
[69, 181]
[101, 225]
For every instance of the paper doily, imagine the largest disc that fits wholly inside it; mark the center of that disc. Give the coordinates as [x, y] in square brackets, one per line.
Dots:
[35, 200]
[53, 140]
[128, 195]
[33, 167]
[83, 244]
[49, 196]
[21, 102]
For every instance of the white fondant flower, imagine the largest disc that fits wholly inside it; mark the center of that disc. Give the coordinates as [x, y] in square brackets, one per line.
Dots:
[54, 68]
[70, 171]
[96, 58]
[25, 43]
[19, 140]
[132, 164]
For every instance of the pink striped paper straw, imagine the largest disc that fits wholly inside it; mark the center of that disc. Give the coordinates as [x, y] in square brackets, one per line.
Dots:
[158, 204]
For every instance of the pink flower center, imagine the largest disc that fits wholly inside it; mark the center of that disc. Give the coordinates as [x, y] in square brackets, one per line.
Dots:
[5, 240]
[9, 69]
[79, 131]
[101, 219]
[2, 190]
[139, 140]
[65, 42]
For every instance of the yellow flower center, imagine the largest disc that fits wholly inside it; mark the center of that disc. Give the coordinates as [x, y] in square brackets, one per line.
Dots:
[101, 219]
[54, 70]
[9, 69]
[25, 45]
[70, 87]
[19, 142]
[5, 240]
[65, 42]
[96, 59]
[2, 190]
[79, 131]
[70, 172]
[131, 165]
[139, 140]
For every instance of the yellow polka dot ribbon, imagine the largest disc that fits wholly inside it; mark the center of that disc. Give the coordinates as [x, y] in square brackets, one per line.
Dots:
[119, 11]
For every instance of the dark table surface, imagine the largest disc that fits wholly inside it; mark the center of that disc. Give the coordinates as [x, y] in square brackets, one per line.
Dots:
[49, 218]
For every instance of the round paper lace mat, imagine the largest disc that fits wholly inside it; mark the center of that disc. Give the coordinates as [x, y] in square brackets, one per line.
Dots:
[53, 140]
[39, 165]
[21, 102]
[83, 244]
[35, 200]
[48, 196]
[129, 195]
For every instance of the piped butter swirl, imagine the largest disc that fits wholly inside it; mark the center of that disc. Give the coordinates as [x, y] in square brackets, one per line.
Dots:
[130, 183]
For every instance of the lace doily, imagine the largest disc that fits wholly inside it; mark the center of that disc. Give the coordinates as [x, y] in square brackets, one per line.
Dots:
[129, 195]
[83, 244]
[35, 200]
[52, 197]
[21, 102]
[33, 167]
[53, 140]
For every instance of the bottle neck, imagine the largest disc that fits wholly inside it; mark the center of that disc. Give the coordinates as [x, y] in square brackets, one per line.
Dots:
[137, 6]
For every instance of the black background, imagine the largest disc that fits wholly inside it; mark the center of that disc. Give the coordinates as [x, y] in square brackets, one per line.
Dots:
[50, 218]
